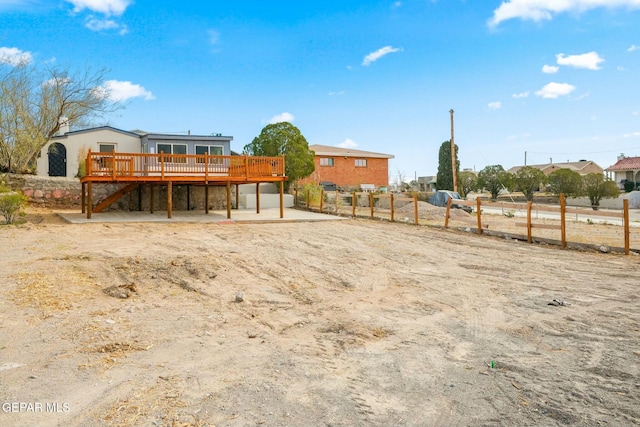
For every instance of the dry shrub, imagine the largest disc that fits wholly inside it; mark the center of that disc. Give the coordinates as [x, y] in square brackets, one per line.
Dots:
[37, 291]
[162, 401]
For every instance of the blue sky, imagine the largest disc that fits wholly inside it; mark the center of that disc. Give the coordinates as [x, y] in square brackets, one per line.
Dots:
[556, 79]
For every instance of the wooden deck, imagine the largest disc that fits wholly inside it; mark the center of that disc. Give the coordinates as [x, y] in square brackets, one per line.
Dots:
[136, 169]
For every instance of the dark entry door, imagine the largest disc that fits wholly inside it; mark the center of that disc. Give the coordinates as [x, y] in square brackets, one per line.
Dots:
[57, 160]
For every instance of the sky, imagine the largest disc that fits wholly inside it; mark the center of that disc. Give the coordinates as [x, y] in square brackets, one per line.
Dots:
[528, 80]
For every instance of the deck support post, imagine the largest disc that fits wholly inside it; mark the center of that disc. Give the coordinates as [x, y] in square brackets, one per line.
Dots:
[237, 196]
[228, 199]
[169, 199]
[83, 189]
[89, 202]
[206, 198]
[152, 194]
[139, 198]
[258, 197]
[282, 199]
[188, 197]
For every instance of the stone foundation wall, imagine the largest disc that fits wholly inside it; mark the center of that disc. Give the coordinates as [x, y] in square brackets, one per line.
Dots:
[46, 191]
[61, 192]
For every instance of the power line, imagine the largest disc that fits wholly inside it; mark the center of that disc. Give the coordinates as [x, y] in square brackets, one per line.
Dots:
[580, 152]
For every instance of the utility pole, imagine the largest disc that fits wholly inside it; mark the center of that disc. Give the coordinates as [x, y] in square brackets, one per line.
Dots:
[453, 156]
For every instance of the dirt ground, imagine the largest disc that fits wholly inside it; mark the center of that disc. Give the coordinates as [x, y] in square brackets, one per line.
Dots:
[336, 323]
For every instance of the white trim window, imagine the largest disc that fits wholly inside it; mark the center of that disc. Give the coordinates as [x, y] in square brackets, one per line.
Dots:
[361, 163]
[326, 161]
[173, 149]
[212, 150]
[106, 161]
[107, 147]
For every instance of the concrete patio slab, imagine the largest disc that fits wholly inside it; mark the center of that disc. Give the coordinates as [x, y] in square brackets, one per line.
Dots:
[237, 216]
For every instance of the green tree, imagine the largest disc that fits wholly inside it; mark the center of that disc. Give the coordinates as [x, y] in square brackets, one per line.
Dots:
[596, 187]
[529, 180]
[467, 182]
[284, 139]
[565, 181]
[444, 178]
[493, 179]
[35, 100]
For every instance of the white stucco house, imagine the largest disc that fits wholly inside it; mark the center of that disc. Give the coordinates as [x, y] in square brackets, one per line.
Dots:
[63, 154]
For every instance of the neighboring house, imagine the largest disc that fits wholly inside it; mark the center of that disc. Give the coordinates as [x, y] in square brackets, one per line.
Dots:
[626, 168]
[427, 183]
[62, 155]
[583, 167]
[348, 169]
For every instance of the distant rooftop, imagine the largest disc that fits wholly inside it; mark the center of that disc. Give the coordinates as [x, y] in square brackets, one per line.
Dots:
[326, 150]
[574, 166]
[625, 164]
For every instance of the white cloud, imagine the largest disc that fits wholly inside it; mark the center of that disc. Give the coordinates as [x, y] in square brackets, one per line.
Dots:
[348, 143]
[95, 24]
[214, 36]
[520, 95]
[495, 105]
[631, 135]
[396, 4]
[284, 117]
[550, 69]
[121, 91]
[14, 56]
[583, 96]
[554, 90]
[538, 10]
[338, 93]
[517, 137]
[106, 7]
[374, 56]
[590, 61]
[633, 48]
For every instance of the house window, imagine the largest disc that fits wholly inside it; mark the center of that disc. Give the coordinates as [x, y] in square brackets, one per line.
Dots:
[173, 149]
[164, 148]
[106, 161]
[106, 148]
[212, 150]
[326, 161]
[361, 163]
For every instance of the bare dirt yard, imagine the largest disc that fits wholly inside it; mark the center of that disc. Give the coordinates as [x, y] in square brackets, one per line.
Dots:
[337, 323]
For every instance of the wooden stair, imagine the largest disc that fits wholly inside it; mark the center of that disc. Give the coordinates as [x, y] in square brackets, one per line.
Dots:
[114, 197]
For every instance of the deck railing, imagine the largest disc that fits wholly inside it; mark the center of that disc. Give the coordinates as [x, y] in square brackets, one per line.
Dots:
[130, 165]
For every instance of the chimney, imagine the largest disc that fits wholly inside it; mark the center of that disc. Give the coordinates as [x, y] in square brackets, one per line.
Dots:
[64, 126]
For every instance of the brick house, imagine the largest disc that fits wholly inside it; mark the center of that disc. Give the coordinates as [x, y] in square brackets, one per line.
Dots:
[347, 168]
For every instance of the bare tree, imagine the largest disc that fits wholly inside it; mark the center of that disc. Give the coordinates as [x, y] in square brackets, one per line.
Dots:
[35, 101]
[399, 183]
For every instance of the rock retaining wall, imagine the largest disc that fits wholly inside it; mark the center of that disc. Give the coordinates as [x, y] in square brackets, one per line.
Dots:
[64, 192]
